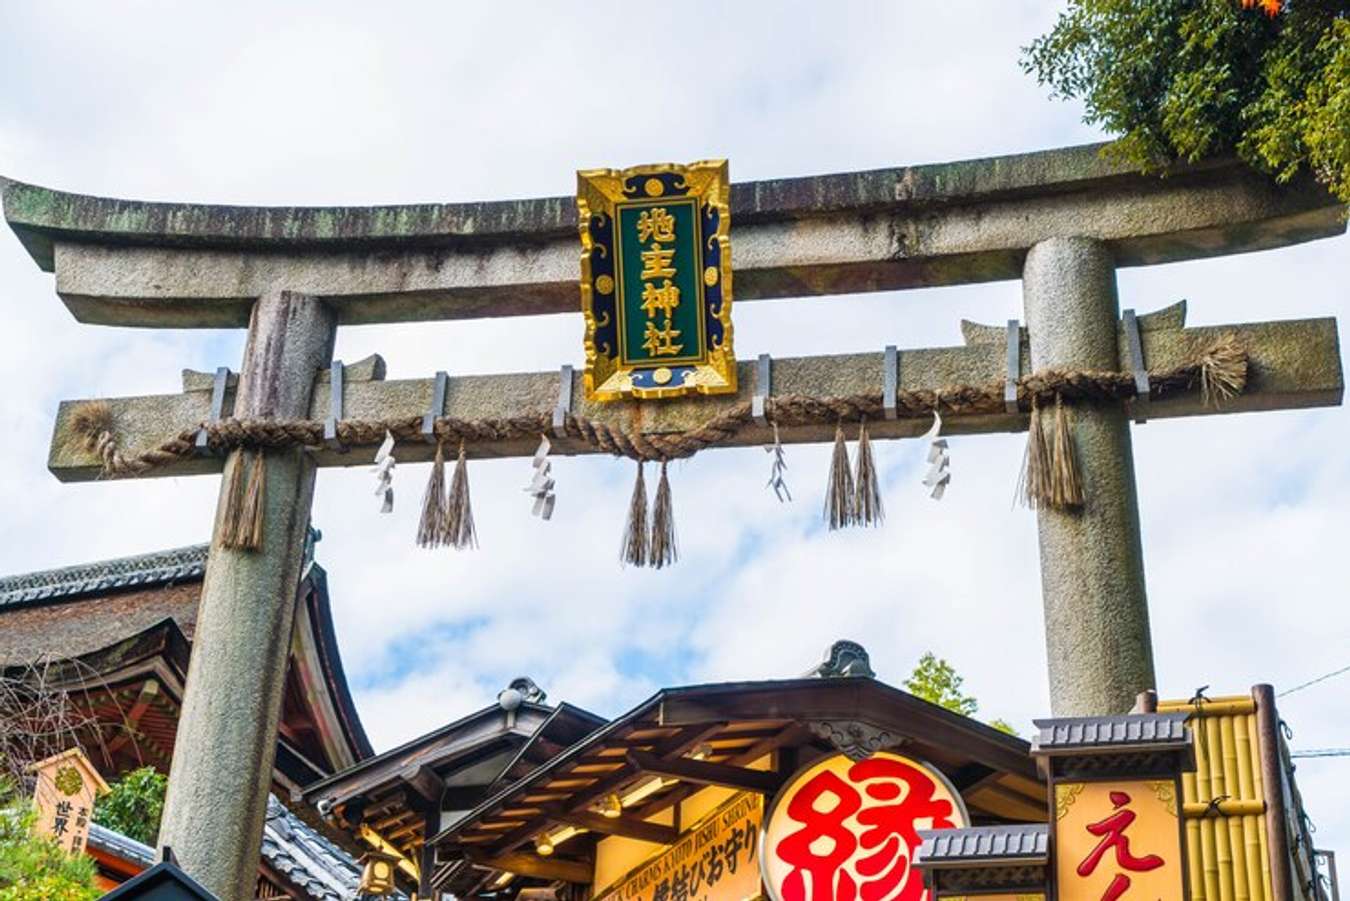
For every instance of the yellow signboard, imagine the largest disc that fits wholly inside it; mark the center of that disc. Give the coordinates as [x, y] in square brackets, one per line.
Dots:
[67, 785]
[845, 829]
[1119, 839]
[715, 860]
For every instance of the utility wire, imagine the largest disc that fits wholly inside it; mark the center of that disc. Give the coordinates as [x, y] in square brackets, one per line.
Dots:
[1312, 682]
[1322, 752]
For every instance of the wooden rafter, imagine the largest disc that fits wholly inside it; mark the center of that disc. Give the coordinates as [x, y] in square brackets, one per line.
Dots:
[552, 868]
[701, 772]
[683, 739]
[628, 827]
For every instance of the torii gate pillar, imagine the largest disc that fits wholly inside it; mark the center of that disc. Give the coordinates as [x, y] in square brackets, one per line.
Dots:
[1098, 648]
[223, 753]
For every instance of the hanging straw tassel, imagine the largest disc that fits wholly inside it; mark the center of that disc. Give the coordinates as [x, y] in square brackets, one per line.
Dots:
[245, 503]
[1223, 371]
[839, 495]
[867, 506]
[233, 494]
[431, 527]
[1033, 487]
[635, 532]
[664, 550]
[1066, 482]
[458, 526]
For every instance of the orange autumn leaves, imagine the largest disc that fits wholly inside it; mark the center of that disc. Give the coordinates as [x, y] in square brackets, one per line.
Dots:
[1271, 7]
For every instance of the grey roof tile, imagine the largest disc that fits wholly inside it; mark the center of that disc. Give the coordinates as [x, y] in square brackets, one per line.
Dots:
[1102, 732]
[319, 868]
[119, 845]
[160, 567]
[1026, 843]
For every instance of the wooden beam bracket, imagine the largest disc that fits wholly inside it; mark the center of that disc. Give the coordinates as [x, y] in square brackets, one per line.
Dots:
[703, 773]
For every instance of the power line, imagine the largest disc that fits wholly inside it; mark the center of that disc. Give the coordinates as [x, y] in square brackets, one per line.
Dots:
[1322, 752]
[1311, 682]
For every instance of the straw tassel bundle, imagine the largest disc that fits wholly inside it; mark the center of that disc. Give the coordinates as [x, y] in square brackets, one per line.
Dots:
[1223, 371]
[1050, 478]
[636, 534]
[459, 531]
[840, 497]
[1066, 482]
[867, 507]
[663, 550]
[245, 502]
[431, 527]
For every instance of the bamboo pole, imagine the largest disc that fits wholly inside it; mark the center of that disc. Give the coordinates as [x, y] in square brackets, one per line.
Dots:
[1204, 792]
[1194, 865]
[1236, 844]
[1251, 839]
[1223, 849]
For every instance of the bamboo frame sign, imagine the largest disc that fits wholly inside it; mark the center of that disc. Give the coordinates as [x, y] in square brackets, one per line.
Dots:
[845, 829]
[656, 281]
[713, 861]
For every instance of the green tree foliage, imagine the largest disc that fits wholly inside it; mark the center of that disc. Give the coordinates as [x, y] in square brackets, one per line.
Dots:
[1187, 79]
[32, 866]
[134, 805]
[936, 681]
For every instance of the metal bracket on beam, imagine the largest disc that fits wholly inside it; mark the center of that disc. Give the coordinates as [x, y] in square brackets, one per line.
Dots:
[564, 407]
[1142, 389]
[335, 392]
[763, 388]
[1014, 366]
[437, 407]
[218, 387]
[890, 381]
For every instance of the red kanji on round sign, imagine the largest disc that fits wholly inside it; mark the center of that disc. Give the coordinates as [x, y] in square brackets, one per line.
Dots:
[845, 830]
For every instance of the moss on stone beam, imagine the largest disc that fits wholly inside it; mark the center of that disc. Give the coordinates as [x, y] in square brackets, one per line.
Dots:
[190, 265]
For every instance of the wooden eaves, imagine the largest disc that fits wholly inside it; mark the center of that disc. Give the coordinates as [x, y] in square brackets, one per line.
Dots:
[731, 726]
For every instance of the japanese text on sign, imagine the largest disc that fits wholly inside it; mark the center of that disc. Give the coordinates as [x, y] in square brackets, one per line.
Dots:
[1118, 840]
[67, 785]
[714, 861]
[656, 281]
[847, 830]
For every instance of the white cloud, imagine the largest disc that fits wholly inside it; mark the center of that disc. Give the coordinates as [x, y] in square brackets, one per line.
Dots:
[1244, 517]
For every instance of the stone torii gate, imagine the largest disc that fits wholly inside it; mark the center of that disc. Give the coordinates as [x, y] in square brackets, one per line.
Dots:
[1061, 221]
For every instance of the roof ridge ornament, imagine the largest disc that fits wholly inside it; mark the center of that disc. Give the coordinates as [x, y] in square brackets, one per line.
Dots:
[844, 659]
[521, 690]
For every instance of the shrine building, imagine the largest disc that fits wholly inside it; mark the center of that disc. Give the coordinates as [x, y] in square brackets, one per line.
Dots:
[702, 793]
[116, 635]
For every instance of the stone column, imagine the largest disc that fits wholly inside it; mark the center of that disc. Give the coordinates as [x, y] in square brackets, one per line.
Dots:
[1098, 647]
[223, 754]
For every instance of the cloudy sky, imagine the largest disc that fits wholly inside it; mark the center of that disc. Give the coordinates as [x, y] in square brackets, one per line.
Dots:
[1245, 517]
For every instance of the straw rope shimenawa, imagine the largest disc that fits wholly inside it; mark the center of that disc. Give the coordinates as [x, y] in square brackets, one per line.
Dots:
[1220, 371]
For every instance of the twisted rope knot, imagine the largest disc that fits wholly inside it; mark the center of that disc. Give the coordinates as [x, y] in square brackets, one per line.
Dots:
[1219, 370]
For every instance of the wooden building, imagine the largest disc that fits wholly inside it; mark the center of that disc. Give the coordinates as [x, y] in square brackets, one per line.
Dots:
[639, 808]
[116, 635]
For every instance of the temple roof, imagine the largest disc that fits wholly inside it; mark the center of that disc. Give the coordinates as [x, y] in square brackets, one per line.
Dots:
[303, 857]
[122, 630]
[440, 775]
[701, 735]
[291, 849]
[142, 570]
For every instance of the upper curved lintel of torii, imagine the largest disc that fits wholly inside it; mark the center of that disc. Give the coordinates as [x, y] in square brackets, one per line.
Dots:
[185, 264]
